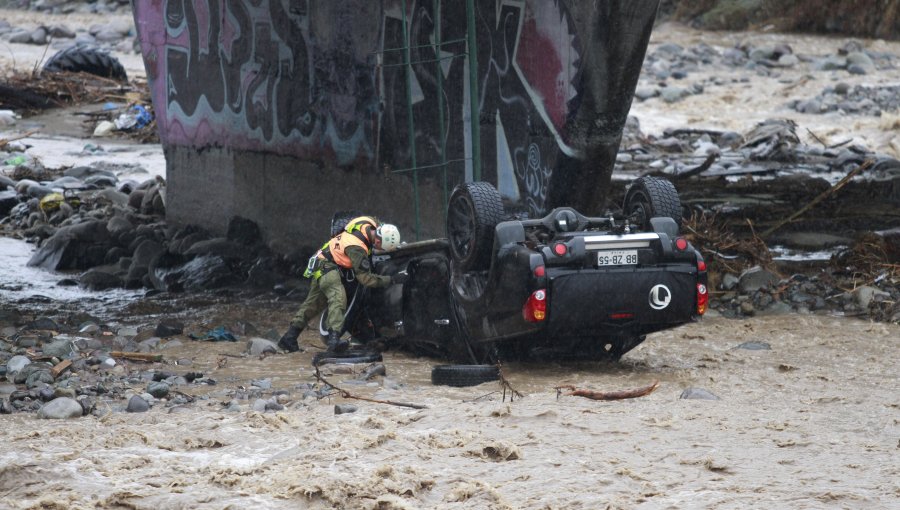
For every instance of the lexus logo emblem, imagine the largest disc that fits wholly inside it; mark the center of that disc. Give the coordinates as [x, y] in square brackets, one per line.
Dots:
[660, 297]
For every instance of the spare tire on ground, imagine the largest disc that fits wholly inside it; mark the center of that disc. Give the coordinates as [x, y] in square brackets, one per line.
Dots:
[346, 358]
[86, 59]
[464, 375]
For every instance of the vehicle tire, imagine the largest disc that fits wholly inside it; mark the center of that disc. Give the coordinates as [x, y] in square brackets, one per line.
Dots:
[345, 358]
[340, 219]
[86, 59]
[650, 197]
[474, 210]
[464, 375]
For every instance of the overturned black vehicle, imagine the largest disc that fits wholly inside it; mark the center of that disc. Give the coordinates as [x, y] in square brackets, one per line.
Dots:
[562, 286]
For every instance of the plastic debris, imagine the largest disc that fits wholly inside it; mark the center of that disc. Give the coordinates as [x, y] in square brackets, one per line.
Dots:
[135, 118]
[7, 117]
[15, 160]
[104, 128]
[143, 116]
[219, 334]
[51, 201]
[91, 148]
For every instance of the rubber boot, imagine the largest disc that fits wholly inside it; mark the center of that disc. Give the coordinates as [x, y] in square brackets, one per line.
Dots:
[288, 340]
[336, 343]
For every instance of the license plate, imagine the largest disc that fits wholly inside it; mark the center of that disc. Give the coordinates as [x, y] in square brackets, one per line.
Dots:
[617, 258]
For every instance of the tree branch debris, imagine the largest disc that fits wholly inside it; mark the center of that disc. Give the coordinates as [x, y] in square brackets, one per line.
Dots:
[606, 395]
[346, 394]
[505, 385]
[137, 356]
[827, 193]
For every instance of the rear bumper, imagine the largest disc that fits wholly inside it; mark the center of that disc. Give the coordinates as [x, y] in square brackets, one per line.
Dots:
[639, 300]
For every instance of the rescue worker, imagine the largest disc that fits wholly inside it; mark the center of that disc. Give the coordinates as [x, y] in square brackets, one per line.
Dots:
[350, 249]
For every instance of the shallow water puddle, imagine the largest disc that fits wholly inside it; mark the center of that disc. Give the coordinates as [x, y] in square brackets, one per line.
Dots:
[20, 282]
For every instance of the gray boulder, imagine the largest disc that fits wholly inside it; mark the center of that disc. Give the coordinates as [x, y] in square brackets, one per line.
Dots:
[674, 94]
[38, 379]
[243, 231]
[117, 225]
[8, 200]
[98, 279]
[756, 278]
[145, 252]
[112, 196]
[61, 32]
[201, 273]
[217, 246]
[862, 61]
[61, 408]
[78, 246]
[21, 377]
[15, 364]
[257, 346]
[158, 389]
[60, 347]
[136, 404]
[153, 201]
[169, 327]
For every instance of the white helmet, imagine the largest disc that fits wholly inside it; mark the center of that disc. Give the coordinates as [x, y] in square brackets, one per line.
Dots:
[389, 235]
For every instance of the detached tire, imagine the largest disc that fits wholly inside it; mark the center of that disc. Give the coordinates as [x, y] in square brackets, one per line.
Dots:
[473, 212]
[650, 197]
[464, 375]
[345, 358]
[86, 59]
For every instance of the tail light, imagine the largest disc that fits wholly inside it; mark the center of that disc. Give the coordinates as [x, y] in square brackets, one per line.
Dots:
[701, 266]
[702, 299]
[540, 271]
[681, 243]
[560, 249]
[535, 309]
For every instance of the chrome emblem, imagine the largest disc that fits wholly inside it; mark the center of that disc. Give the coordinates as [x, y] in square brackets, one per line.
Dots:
[660, 297]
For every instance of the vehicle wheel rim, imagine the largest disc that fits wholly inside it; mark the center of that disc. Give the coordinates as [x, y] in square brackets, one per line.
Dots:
[461, 226]
[640, 210]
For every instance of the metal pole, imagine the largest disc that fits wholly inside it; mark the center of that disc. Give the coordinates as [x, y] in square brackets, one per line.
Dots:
[409, 116]
[440, 93]
[474, 122]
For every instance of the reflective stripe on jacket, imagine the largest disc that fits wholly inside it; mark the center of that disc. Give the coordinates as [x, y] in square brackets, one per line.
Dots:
[365, 225]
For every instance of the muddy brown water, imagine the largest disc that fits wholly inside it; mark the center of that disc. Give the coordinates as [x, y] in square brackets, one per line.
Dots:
[810, 423]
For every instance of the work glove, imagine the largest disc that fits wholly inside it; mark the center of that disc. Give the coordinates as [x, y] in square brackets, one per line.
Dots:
[400, 278]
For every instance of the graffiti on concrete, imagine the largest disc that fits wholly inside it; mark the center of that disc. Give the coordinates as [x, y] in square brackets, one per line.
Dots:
[261, 76]
[528, 57]
[536, 177]
[324, 81]
[533, 60]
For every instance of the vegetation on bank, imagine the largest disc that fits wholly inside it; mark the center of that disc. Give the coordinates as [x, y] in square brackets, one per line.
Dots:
[875, 19]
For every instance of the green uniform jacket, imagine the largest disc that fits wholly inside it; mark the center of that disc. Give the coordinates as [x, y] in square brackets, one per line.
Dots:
[362, 268]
